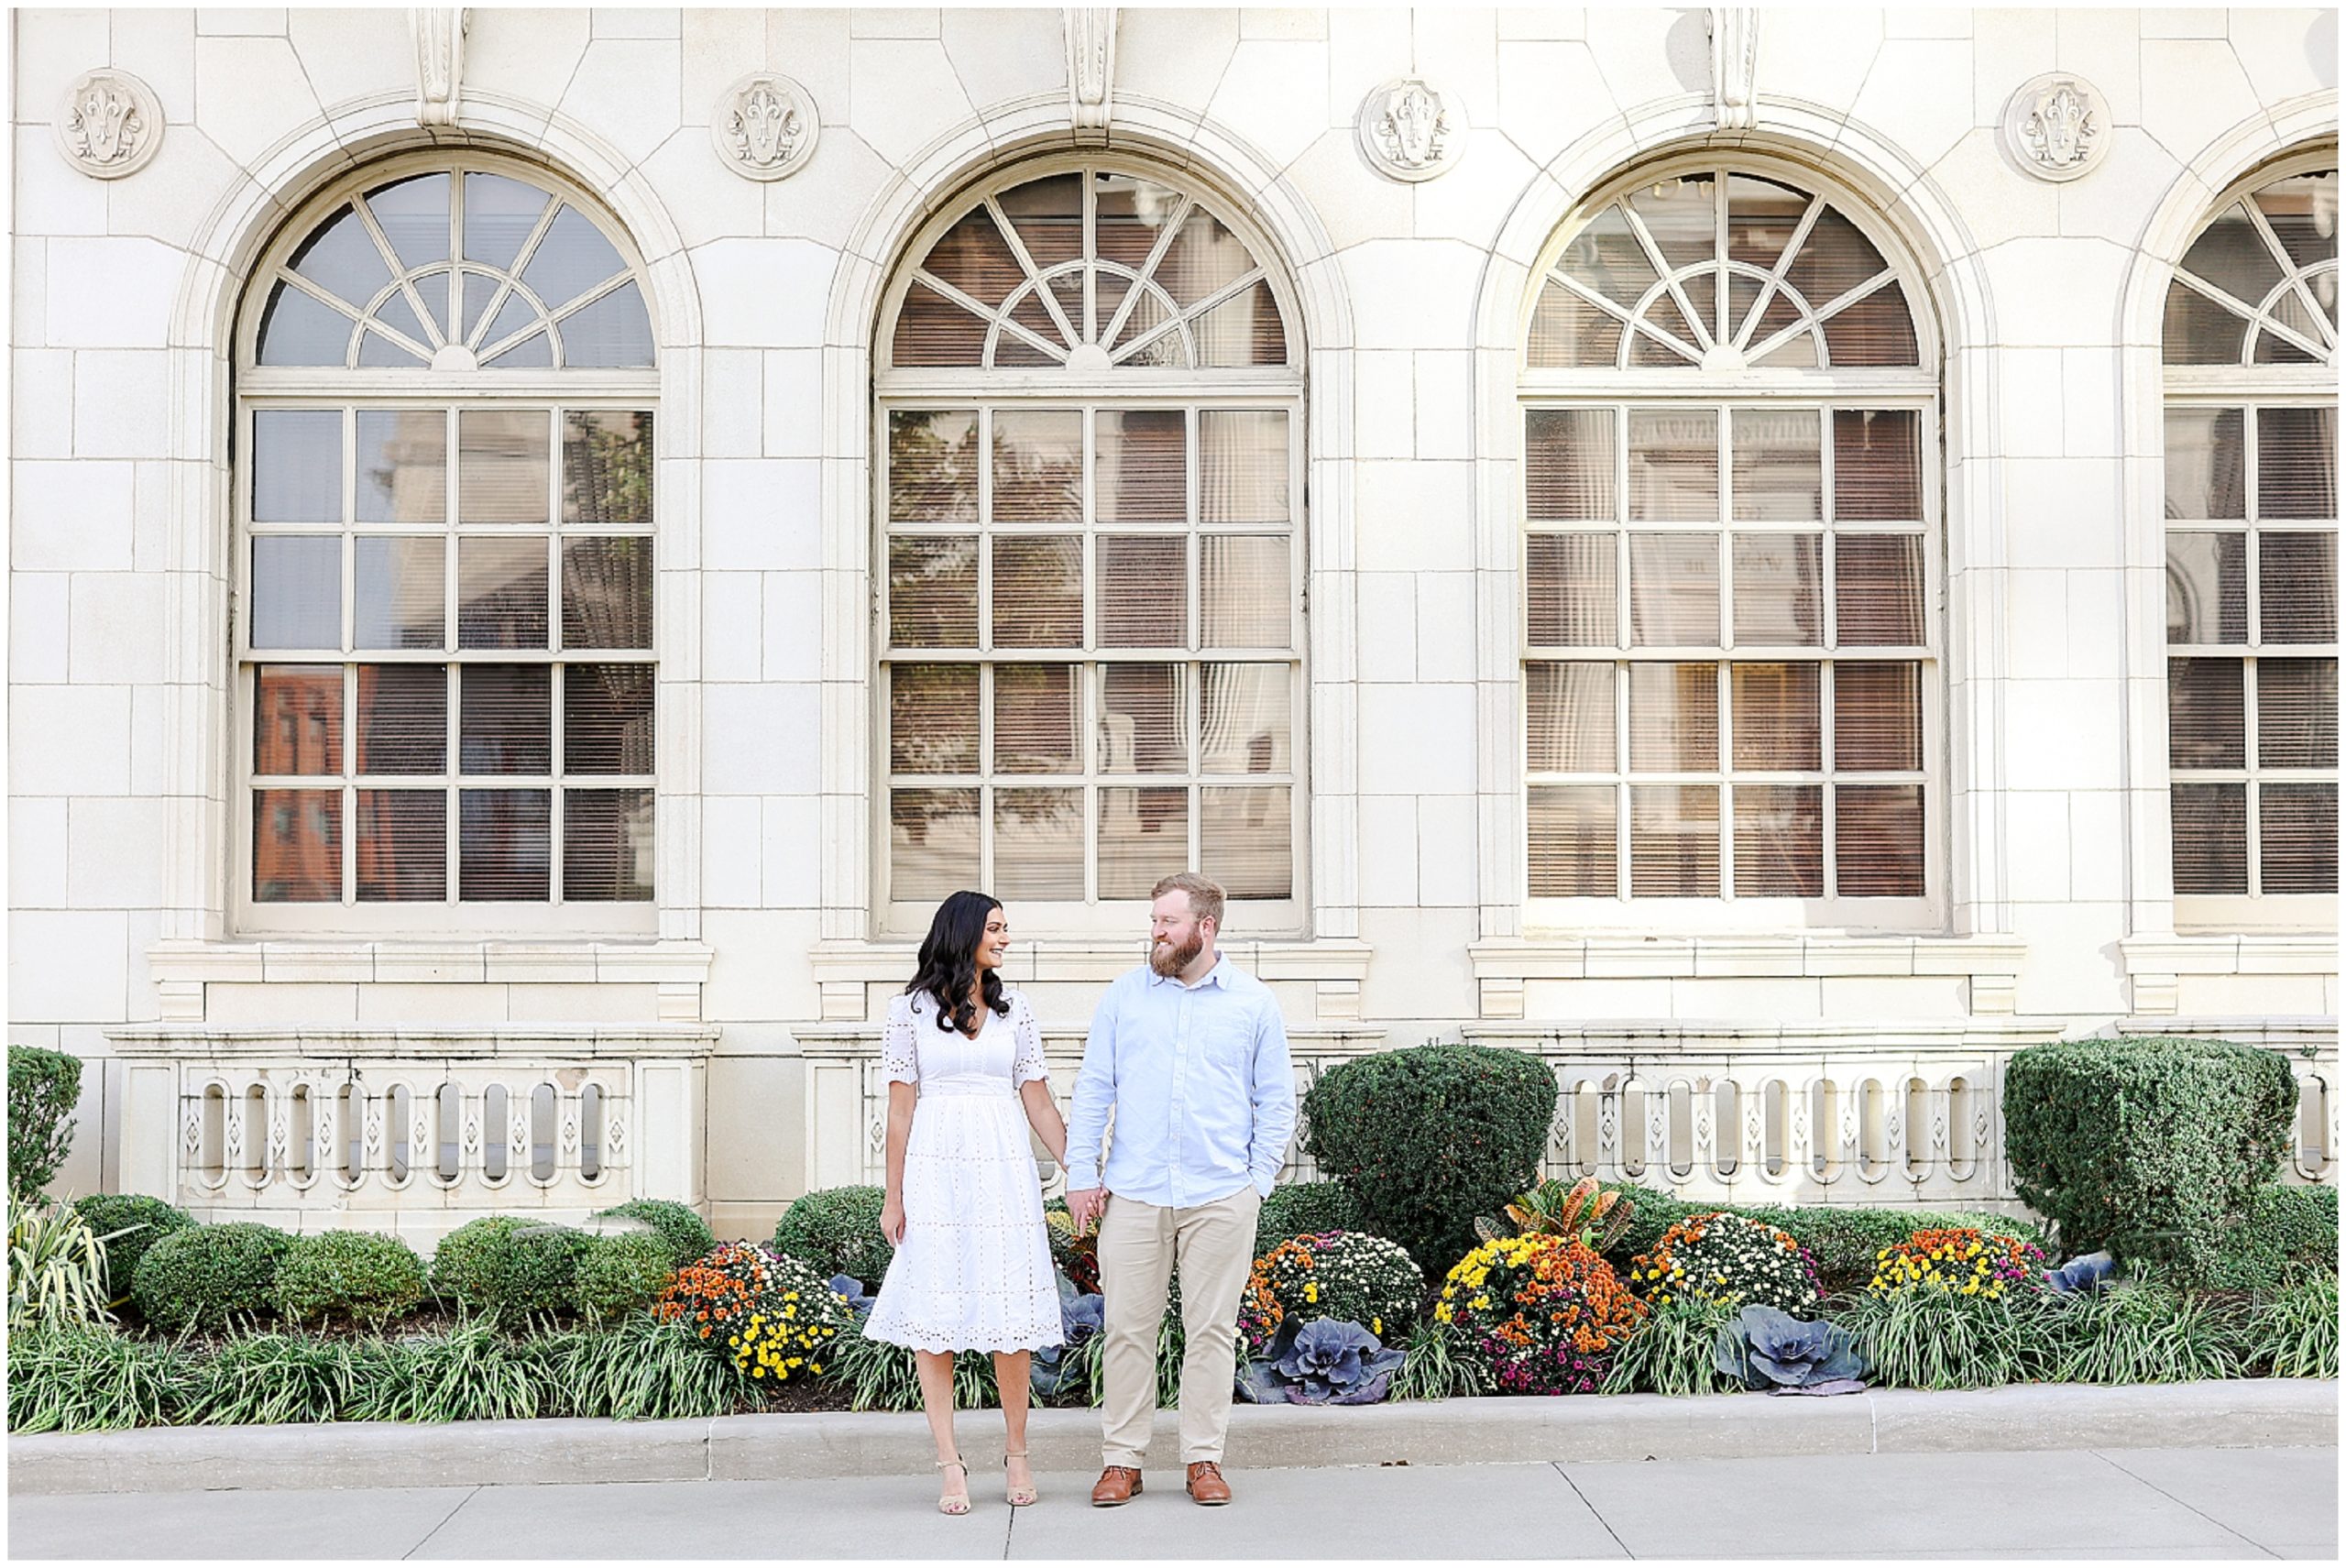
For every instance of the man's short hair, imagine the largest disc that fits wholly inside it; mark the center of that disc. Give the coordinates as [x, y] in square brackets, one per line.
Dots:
[1205, 895]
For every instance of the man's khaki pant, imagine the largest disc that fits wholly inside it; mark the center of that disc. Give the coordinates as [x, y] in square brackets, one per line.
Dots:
[1139, 1245]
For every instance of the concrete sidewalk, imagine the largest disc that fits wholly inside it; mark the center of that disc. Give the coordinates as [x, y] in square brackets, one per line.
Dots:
[2135, 1503]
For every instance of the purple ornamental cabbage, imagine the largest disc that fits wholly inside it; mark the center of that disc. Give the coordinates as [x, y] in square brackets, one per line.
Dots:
[1780, 1354]
[1322, 1362]
[1054, 1367]
[2088, 1274]
[850, 1290]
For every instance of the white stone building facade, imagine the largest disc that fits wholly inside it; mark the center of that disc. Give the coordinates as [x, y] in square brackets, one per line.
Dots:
[1734, 549]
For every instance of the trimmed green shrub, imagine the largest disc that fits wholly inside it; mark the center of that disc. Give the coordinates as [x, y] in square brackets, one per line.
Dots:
[2287, 1229]
[505, 1263]
[1845, 1243]
[623, 1274]
[1306, 1207]
[2151, 1147]
[679, 1225]
[837, 1228]
[353, 1276]
[459, 1262]
[209, 1276]
[43, 1088]
[1428, 1137]
[143, 1221]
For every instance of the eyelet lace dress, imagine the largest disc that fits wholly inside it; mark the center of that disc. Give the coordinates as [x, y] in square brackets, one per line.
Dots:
[974, 1271]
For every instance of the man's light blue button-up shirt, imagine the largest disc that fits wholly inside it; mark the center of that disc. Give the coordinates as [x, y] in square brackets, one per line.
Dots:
[1199, 1079]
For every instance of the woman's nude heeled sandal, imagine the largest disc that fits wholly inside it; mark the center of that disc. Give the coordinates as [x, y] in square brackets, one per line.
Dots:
[1020, 1496]
[956, 1505]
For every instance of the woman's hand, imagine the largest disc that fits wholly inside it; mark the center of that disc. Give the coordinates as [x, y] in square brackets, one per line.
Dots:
[891, 1220]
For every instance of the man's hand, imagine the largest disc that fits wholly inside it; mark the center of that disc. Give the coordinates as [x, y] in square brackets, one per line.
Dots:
[1084, 1205]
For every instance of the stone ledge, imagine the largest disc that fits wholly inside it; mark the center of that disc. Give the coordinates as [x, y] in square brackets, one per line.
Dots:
[2247, 1413]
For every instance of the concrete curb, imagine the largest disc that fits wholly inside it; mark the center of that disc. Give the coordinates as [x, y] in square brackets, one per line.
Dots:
[2248, 1413]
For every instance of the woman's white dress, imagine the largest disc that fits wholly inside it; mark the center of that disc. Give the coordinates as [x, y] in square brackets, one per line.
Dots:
[974, 1271]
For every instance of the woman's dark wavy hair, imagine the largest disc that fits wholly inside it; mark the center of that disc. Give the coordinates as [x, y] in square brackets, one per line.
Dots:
[948, 962]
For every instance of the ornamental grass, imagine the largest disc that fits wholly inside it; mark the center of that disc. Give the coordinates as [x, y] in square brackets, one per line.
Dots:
[1967, 1262]
[1728, 1260]
[1340, 1275]
[1545, 1313]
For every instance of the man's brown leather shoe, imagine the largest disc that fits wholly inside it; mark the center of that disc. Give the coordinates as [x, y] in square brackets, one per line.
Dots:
[1206, 1484]
[1118, 1485]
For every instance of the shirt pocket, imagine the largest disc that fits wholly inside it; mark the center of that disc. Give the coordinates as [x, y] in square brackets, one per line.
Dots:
[1230, 1045]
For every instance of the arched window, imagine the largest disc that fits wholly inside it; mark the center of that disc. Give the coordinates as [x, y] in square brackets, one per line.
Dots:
[2251, 554]
[1730, 562]
[1091, 495]
[445, 498]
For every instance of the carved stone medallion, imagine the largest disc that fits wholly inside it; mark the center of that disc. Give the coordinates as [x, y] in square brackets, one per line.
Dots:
[110, 125]
[1411, 129]
[764, 127]
[2057, 127]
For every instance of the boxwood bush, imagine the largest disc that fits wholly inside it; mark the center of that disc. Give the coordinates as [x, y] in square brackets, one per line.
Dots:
[619, 1275]
[43, 1088]
[2285, 1229]
[351, 1276]
[143, 1220]
[1306, 1207]
[459, 1263]
[1428, 1137]
[679, 1225]
[209, 1276]
[516, 1267]
[2151, 1145]
[837, 1228]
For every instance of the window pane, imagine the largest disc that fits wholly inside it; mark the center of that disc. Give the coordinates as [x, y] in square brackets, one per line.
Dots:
[297, 719]
[1760, 217]
[506, 844]
[2296, 463]
[2303, 211]
[297, 465]
[1569, 595]
[1244, 716]
[615, 329]
[502, 462]
[1779, 465]
[1777, 590]
[2199, 331]
[403, 720]
[2207, 587]
[1574, 851]
[1143, 589]
[974, 257]
[1877, 465]
[1243, 581]
[1568, 465]
[1877, 590]
[1673, 590]
[498, 215]
[1876, 330]
[607, 845]
[1779, 840]
[1142, 468]
[1244, 330]
[933, 466]
[1568, 718]
[1241, 466]
[297, 845]
[1674, 465]
[2296, 713]
[1776, 724]
[1204, 257]
[402, 846]
[1038, 591]
[1244, 843]
[606, 466]
[400, 599]
[1607, 256]
[606, 719]
[933, 593]
[1143, 835]
[508, 717]
[2298, 587]
[2207, 464]
[402, 465]
[1036, 711]
[1039, 466]
[573, 257]
[1674, 841]
[934, 330]
[295, 329]
[340, 257]
[2297, 838]
[1568, 332]
[1038, 843]
[607, 592]
[297, 591]
[1879, 840]
[2232, 255]
[932, 842]
[2205, 714]
[502, 593]
[1877, 717]
[1674, 718]
[933, 718]
[2210, 825]
[1143, 718]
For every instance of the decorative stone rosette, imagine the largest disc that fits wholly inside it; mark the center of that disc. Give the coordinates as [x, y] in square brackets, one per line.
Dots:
[110, 124]
[764, 127]
[2057, 127]
[1411, 130]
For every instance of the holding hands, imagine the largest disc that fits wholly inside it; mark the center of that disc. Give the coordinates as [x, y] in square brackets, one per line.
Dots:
[1085, 1205]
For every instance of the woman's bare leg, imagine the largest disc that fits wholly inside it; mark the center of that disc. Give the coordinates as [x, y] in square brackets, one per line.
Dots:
[1012, 1370]
[935, 1369]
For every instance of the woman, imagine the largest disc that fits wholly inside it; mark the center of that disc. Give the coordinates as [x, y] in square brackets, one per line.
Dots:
[964, 1209]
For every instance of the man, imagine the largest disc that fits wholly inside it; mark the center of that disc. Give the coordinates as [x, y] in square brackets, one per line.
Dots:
[1192, 1056]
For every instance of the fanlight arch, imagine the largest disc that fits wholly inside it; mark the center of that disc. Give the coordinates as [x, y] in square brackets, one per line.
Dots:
[2259, 286]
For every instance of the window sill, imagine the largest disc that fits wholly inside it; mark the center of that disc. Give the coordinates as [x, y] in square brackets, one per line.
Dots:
[2155, 965]
[180, 969]
[1991, 963]
[1336, 966]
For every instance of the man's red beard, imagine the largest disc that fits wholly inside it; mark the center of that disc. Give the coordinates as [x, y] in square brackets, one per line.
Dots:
[1170, 960]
